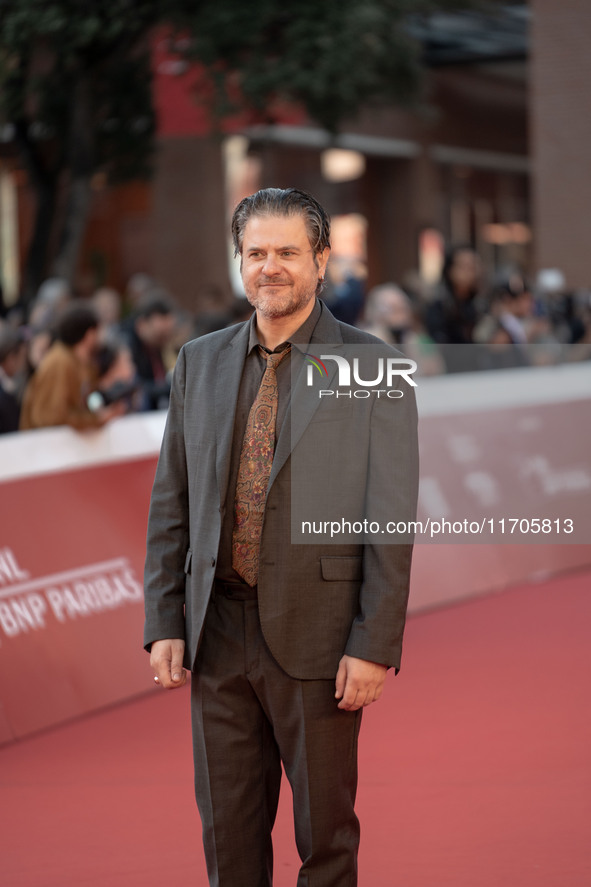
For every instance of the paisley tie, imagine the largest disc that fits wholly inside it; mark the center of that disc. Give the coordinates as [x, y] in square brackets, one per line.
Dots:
[256, 459]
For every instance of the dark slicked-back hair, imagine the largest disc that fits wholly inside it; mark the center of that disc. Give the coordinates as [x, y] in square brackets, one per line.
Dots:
[283, 202]
[74, 323]
[449, 260]
[153, 303]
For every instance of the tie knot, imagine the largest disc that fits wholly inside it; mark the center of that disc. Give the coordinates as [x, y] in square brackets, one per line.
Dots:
[274, 358]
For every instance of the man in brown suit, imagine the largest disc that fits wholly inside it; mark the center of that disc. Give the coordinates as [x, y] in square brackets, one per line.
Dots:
[282, 667]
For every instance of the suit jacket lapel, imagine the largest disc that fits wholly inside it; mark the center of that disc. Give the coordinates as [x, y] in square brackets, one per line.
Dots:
[229, 365]
[303, 404]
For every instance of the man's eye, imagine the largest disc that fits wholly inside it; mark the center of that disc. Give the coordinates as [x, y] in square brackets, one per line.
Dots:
[255, 255]
[287, 253]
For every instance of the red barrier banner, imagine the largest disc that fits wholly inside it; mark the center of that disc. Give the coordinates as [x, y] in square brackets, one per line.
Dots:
[71, 600]
[73, 513]
[504, 497]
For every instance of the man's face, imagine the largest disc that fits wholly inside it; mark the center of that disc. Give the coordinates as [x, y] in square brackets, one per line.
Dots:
[92, 338]
[156, 330]
[465, 272]
[280, 272]
[394, 310]
[14, 363]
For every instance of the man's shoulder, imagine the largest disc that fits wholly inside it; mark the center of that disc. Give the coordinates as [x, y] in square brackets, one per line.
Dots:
[213, 342]
[331, 331]
[353, 335]
[58, 357]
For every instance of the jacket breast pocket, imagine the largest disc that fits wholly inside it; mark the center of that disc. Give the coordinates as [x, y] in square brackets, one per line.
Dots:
[341, 569]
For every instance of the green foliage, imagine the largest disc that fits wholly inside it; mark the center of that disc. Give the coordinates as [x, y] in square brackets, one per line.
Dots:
[48, 48]
[75, 78]
[329, 57]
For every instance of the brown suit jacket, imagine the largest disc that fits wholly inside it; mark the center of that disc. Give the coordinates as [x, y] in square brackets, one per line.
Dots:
[55, 394]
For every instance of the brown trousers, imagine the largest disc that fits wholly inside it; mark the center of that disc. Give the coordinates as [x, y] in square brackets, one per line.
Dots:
[248, 717]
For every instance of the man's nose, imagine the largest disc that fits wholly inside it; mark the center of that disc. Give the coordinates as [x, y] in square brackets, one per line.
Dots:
[271, 265]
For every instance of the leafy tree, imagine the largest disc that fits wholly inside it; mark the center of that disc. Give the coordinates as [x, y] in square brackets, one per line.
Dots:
[75, 90]
[329, 57]
[75, 83]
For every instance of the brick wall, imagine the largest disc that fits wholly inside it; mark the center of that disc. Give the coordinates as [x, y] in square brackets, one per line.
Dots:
[190, 229]
[560, 125]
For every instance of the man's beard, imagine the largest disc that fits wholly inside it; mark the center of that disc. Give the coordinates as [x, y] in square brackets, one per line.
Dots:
[279, 304]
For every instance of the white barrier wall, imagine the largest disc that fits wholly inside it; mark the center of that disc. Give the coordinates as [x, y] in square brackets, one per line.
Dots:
[495, 448]
[510, 453]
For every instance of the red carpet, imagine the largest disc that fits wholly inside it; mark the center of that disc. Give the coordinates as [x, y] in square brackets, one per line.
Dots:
[475, 767]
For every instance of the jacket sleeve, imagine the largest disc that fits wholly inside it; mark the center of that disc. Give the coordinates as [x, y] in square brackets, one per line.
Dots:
[391, 496]
[55, 397]
[168, 526]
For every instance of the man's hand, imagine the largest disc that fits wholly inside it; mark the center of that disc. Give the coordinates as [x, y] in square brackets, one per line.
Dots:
[166, 658]
[359, 682]
[112, 411]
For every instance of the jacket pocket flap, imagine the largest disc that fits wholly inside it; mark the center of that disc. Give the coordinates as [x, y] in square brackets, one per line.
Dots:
[335, 569]
[188, 561]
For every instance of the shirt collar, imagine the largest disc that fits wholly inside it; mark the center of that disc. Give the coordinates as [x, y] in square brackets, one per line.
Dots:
[301, 336]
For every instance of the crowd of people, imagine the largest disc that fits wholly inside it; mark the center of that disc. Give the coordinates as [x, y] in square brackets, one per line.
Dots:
[467, 323]
[83, 362]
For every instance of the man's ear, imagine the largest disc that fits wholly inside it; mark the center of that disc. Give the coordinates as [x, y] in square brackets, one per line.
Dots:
[322, 259]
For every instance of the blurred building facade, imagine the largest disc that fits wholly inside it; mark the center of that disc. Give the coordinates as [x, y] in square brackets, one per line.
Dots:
[560, 128]
[498, 156]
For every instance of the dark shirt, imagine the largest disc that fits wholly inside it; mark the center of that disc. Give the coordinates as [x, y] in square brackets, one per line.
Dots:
[450, 322]
[9, 411]
[151, 372]
[252, 374]
[345, 300]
